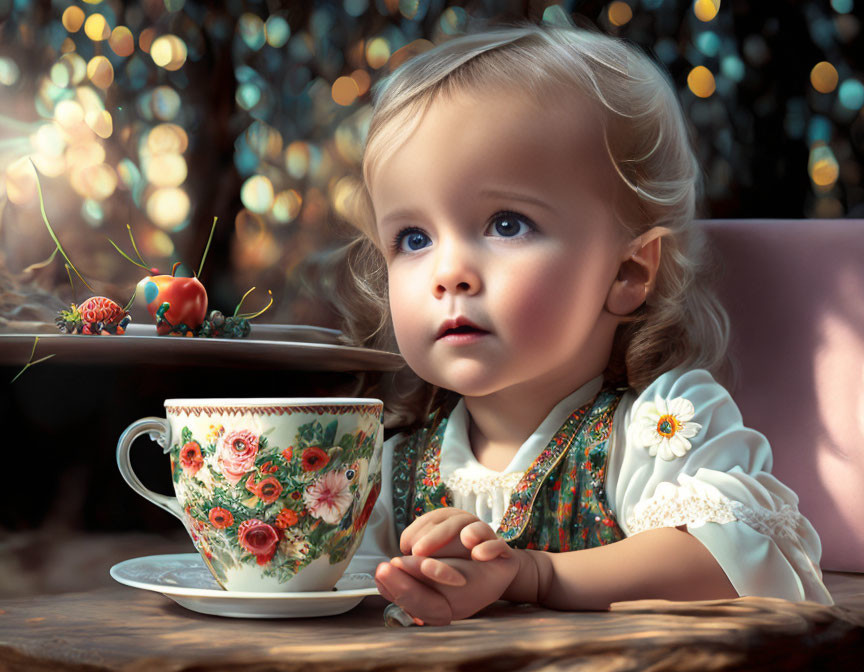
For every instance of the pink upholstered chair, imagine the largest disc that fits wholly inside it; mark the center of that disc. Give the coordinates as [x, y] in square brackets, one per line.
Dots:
[794, 290]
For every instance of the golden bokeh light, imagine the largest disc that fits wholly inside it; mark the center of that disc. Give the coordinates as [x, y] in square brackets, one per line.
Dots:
[73, 19]
[156, 243]
[264, 140]
[51, 166]
[77, 65]
[100, 71]
[342, 195]
[297, 159]
[619, 13]
[706, 10]
[145, 39]
[67, 46]
[100, 122]
[169, 52]
[363, 79]
[345, 91]
[168, 207]
[822, 166]
[121, 41]
[824, 77]
[249, 227]
[61, 74]
[167, 139]
[257, 194]
[89, 100]
[286, 206]
[377, 52]
[825, 172]
[48, 140]
[701, 81]
[96, 181]
[96, 28]
[166, 170]
[85, 154]
[261, 254]
[21, 181]
[69, 114]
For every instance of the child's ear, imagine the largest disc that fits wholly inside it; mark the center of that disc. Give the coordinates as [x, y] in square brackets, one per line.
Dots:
[636, 274]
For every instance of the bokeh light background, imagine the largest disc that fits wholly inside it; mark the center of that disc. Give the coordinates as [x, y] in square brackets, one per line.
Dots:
[162, 114]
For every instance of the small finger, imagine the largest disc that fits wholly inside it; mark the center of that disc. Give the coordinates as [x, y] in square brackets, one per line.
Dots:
[441, 572]
[430, 569]
[382, 587]
[490, 550]
[415, 530]
[476, 533]
[415, 597]
[440, 535]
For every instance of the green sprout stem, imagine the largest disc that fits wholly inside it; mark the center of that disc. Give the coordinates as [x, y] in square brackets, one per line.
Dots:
[252, 316]
[71, 283]
[30, 361]
[135, 247]
[51, 231]
[207, 248]
[242, 299]
[129, 305]
[126, 256]
[42, 264]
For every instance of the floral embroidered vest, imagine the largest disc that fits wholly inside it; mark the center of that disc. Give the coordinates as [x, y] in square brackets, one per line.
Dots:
[558, 505]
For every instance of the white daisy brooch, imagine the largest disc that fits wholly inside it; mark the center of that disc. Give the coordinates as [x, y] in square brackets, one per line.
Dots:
[663, 427]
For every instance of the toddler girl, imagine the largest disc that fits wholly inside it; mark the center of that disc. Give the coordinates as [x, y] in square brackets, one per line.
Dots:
[528, 245]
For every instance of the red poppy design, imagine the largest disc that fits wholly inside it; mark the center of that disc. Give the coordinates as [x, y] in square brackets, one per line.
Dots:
[288, 453]
[259, 538]
[191, 458]
[269, 490]
[314, 459]
[286, 518]
[221, 518]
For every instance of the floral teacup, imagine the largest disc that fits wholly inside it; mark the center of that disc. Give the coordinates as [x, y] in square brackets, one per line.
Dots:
[275, 493]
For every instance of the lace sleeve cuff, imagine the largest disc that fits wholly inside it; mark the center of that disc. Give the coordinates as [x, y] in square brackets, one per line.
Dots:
[694, 503]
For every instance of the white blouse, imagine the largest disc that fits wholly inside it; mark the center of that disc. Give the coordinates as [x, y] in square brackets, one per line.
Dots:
[678, 454]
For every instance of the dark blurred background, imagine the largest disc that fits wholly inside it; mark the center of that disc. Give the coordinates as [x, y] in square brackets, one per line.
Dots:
[163, 114]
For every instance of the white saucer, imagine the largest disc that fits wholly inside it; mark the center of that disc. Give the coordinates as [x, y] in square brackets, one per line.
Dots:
[184, 578]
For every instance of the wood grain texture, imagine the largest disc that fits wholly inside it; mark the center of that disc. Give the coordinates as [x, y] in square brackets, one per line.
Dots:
[121, 628]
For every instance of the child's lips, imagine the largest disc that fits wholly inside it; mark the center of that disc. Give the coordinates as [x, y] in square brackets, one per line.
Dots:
[463, 338]
[459, 327]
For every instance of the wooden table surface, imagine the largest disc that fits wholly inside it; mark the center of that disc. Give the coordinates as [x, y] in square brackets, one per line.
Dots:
[120, 628]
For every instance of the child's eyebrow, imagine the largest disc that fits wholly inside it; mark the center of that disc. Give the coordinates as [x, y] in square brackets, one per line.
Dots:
[517, 197]
[408, 213]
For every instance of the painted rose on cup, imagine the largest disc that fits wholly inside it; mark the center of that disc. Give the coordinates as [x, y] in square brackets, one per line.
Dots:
[236, 452]
[275, 494]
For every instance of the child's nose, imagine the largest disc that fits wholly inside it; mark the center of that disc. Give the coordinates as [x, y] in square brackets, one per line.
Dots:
[456, 271]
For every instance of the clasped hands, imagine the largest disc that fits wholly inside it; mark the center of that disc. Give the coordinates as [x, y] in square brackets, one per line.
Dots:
[452, 566]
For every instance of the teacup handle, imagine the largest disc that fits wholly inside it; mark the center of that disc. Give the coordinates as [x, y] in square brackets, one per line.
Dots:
[160, 432]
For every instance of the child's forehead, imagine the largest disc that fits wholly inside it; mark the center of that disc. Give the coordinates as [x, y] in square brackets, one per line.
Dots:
[498, 131]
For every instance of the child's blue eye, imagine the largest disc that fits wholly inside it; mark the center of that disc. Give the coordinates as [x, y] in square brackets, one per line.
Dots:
[511, 224]
[410, 240]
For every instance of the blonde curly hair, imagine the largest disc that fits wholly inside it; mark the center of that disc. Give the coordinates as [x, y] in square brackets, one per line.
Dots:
[682, 323]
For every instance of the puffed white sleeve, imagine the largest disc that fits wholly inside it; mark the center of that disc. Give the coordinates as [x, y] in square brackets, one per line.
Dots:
[682, 456]
[379, 541]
